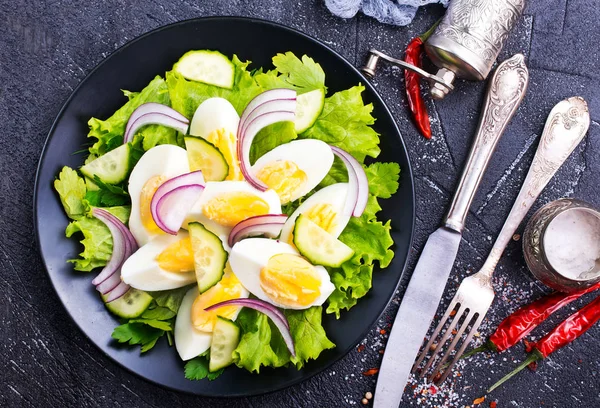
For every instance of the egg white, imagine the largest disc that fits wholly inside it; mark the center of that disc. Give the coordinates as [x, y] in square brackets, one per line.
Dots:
[249, 256]
[189, 341]
[141, 270]
[164, 160]
[313, 157]
[213, 114]
[334, 195]
[215, 188]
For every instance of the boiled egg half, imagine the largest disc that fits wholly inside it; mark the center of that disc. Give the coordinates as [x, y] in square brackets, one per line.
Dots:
[166, 262]
[156, 166]
[224, 204]
[216, 121]
[294, 169]
[275, 272]
[324, 208]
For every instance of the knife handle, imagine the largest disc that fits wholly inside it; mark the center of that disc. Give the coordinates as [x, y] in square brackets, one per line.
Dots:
[505, 92]
[567, 124]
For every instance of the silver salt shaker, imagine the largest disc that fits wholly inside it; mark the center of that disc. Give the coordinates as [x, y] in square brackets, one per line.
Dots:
[465, 44]
[561, 244]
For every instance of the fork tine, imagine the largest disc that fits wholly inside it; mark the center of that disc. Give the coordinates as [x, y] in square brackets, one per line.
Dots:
[469, 315]
[444, 339]
[434, 335]
[462, 348]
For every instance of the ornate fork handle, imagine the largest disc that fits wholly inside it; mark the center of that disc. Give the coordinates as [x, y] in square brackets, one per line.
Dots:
[505, 93]
[565, 127]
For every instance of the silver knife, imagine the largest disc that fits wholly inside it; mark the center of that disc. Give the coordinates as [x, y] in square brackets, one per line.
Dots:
[505, 92]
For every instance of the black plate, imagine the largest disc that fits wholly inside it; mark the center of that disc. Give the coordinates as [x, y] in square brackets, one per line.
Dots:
[99, 94]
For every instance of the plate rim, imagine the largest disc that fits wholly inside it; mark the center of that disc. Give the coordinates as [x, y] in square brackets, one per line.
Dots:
[406, 170]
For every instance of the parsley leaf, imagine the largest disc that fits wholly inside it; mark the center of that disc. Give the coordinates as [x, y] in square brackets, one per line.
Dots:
[383, 179]
[290, 72]
[197, 369]
[137, 333]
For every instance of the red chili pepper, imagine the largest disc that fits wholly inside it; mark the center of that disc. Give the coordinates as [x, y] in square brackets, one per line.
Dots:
[520, 323]
[563, 334]
[413, 53]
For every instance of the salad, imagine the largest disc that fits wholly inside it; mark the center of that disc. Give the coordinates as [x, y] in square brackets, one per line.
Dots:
[226, 209]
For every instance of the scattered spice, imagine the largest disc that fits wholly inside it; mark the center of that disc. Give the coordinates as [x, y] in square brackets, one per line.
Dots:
[364, 401]
[369, 395]
[381, 351]
[432, 390]
[567, 331]
[516, 237]
[479, 400]
[371, 371]
[493, 404]
[360, 348]
[433, 347]
[453, 312]
[382, 331]
[454, 331]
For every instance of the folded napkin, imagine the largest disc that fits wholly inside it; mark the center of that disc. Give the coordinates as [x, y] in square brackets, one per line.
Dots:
[395, 12]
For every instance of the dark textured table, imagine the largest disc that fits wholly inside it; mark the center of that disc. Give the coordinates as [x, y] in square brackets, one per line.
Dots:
[46, 49]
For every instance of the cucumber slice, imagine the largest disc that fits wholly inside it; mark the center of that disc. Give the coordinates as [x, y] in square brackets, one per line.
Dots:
[209, 256]
[318, 246]
[111, 168]
[226, 336]
[204, 156]
[131, 304]
[210, 67]
[308, 108]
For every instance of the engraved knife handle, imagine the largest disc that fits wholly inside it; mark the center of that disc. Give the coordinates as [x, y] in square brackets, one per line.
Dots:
[504, 95]
[565, 127]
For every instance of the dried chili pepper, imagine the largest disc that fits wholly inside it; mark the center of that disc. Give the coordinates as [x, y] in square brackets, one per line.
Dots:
[412, 55]
[563, 334]
[520, 323]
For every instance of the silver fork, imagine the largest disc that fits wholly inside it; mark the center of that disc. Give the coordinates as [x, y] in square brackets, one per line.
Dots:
[565, 127]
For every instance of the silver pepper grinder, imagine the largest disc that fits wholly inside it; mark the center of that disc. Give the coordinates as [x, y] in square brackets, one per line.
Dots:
[465, 44]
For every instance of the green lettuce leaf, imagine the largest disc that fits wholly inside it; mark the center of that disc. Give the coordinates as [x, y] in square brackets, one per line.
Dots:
[97, 240]
[186, 95]
[71, 189]
[165, 304]
[261, 344]
[345, 122]
[109, 132]
[270, 137]
[371, 241]
[290, 72]
[383, 178]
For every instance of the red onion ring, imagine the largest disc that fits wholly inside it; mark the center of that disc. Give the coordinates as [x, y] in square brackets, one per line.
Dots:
[269, 225]
[154, 114]
[358, 184]
[174, 199]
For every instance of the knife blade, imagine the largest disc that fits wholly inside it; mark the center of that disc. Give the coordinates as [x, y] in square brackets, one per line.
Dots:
[423, 294]
[505, 92]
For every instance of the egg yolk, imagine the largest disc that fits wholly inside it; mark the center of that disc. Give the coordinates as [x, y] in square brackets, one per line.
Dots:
[323, 215]
[284, 177]
[145, 199]
[226, 142]
[177, 257]
[230, 208]
[290, 280]
[229, 287]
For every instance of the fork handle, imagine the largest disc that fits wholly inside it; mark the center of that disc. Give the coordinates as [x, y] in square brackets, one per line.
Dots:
[504, 95]
[565, 127]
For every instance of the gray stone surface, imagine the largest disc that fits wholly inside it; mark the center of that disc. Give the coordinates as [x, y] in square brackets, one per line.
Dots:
[46, 49]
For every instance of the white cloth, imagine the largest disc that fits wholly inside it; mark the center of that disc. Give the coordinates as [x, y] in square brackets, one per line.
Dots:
[395, 12]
